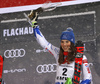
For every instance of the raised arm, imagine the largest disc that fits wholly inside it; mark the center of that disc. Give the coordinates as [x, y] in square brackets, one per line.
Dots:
[39, 36]
[44, 43]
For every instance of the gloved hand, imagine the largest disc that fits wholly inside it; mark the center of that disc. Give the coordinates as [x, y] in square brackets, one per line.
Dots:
[69, 81]
[87, 81]
[34, 16]
[79, 46]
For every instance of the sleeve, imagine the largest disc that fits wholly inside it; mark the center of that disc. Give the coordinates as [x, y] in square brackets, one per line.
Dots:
[86, 69]
[44, 43]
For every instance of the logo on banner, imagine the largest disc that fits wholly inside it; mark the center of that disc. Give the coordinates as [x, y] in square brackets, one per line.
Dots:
[15, 70]
[17, 31]
[39, 51]
[14, 53]
[46, 68]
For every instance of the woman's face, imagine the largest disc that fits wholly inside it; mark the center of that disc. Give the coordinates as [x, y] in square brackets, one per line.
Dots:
[65, 44]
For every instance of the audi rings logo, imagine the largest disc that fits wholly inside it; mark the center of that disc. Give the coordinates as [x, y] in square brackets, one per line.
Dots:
[46, 68]
[14, 53]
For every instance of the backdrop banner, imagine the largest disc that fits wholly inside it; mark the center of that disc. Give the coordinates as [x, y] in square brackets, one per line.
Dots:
[26, 62]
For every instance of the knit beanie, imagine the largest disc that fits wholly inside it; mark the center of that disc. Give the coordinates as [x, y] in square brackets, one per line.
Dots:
[68, 35]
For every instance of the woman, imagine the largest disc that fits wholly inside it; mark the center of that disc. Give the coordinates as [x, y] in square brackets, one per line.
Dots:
[65, 56]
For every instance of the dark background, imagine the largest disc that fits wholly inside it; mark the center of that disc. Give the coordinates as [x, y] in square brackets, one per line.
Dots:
[83, 18]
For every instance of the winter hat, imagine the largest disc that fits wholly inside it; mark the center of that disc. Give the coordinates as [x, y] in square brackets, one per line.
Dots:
[68, 35]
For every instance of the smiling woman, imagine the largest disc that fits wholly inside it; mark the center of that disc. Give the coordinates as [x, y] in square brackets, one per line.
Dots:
[66, 38]
[67, 52]
[65, 44]
[65, 55]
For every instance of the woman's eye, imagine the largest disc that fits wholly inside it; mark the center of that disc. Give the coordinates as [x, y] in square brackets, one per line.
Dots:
[62, 42]
[66, 41]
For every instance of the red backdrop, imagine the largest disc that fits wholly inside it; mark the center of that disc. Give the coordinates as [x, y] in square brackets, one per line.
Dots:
[13, 3]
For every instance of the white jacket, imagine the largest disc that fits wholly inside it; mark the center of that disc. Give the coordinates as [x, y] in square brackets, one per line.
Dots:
[63, 70]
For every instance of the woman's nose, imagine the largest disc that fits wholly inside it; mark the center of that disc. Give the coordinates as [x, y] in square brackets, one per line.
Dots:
[65, 44]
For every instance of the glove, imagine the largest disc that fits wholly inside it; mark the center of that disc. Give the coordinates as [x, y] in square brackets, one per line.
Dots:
[34, 16]
[80, 47]
[87, 81]
[69, 81]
